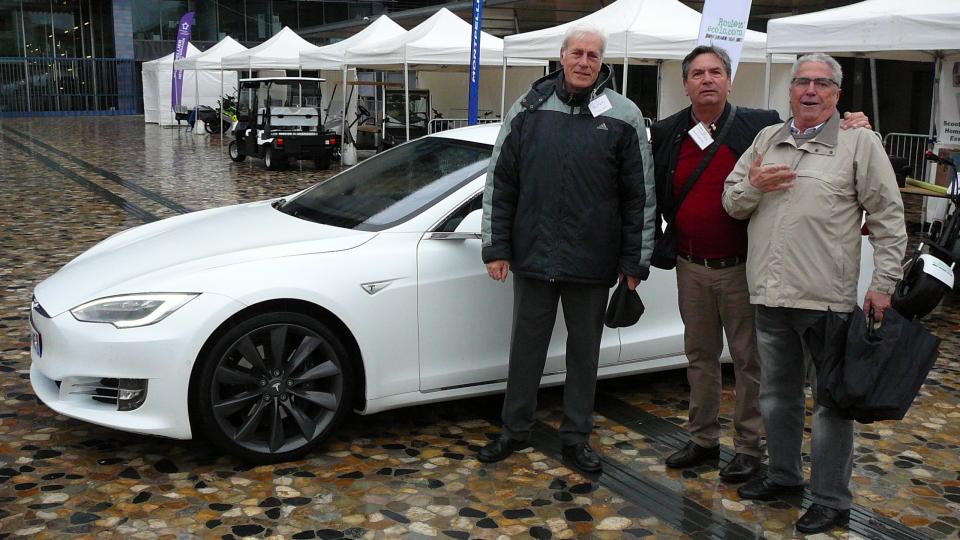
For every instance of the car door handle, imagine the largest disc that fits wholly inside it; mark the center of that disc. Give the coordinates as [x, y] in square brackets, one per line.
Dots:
[453, 236]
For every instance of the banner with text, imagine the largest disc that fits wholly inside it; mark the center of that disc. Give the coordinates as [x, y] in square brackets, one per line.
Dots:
[724, 25]
[183, 41]
[948, 132]
[474, 94]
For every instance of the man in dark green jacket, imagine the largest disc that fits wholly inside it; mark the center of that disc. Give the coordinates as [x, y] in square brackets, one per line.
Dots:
[568, 207]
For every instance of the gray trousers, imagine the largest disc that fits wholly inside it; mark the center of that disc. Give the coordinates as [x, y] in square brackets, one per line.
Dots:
[534, 315]
[783, 336]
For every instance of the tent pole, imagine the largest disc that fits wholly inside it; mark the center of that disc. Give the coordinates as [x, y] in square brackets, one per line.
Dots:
[196, 104]
[873, 92]
[406, 97]
[766, 80]
[659, 81]
[626, 71]
[221, 110]
[503, 88]
[938, 59]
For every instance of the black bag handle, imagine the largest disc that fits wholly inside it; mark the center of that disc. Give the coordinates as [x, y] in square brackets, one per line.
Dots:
[703, 164]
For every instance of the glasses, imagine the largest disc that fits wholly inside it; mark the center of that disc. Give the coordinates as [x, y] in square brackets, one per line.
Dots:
[822, 83]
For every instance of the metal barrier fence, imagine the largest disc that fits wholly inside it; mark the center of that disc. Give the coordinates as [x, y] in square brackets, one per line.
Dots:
[67, 86]
[443, 124]
[911, 147]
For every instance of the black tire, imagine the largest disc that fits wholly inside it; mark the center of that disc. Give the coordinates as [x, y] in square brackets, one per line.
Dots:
[272, 159]
[234, 151]
[274, 387]
[918, 293]
[322, 160]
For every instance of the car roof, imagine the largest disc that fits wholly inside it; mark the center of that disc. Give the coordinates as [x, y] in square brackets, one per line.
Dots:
[483, 133]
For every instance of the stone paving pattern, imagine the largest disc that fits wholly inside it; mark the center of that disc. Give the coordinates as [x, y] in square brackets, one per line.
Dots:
[408, 473]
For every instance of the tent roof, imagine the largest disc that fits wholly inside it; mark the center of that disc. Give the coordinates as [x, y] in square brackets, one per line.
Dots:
[154, 65]
[442, 40]
[210, 58]
[636, 29]
[885, 28]
[333, 56]
[282, 51]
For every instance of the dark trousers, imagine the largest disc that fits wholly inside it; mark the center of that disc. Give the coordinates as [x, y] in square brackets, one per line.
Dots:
[534, 314]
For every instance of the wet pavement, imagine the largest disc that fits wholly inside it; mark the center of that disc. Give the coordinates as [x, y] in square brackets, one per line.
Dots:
[67, 183]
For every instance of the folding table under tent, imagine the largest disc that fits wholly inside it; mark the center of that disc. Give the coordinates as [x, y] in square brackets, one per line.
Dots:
[442, 42]
[924, 30]
[157, 77]
[646, 31]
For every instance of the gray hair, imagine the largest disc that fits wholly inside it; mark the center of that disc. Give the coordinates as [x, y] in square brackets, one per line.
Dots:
[706, 49]
[822, 58]
[581, 30]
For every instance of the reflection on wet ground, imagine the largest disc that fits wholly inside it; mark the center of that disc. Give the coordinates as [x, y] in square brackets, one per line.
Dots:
[67, 183]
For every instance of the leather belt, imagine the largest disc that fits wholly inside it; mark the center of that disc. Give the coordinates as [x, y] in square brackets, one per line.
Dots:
[725, 262]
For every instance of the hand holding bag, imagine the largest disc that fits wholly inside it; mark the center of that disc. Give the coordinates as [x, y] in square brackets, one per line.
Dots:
[625, 307]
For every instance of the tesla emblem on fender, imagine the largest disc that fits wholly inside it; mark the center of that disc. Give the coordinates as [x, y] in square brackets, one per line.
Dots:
[373, 287]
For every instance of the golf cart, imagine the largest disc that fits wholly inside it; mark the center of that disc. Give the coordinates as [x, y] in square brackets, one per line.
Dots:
[394, 122]
[279, 118]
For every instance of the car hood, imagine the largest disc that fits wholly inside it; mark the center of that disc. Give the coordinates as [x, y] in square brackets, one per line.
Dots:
[184, 244]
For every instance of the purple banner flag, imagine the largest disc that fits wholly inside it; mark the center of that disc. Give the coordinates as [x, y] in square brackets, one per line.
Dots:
[474, 91]
[183, 41]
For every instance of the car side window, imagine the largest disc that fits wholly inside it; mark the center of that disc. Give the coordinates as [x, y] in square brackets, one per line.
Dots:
[453, 220]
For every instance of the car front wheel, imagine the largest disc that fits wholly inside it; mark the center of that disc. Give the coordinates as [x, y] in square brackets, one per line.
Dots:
[274, 387]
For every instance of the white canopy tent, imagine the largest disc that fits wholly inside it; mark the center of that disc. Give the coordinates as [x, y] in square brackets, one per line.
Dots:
[282, 51]
[441, 42]
[207, 66]
[643, 31]
[157, 77]
[924, 30]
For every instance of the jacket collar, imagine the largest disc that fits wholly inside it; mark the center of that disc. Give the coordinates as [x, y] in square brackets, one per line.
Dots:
[827, 136]
[552, 83]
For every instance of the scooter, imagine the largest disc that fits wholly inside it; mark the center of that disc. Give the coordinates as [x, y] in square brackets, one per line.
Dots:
[928, 276]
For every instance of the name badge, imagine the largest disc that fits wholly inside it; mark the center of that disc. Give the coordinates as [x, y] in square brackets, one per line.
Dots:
[701, 136]
[600, 106]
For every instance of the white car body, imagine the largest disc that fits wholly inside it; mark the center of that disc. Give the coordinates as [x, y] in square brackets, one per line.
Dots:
[435, 326]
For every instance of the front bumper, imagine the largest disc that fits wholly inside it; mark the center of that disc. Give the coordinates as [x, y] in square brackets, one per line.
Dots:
[76, 356]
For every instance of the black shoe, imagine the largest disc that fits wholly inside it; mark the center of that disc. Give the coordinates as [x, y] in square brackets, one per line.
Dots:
[740, 469]
[820, 518]
[500, 449]
[583, 457]
[692, 454]
[762, 489]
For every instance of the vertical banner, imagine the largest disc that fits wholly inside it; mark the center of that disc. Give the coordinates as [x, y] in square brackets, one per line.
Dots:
[183, 40]
[475, 62]
[948, 131]
[724, 25]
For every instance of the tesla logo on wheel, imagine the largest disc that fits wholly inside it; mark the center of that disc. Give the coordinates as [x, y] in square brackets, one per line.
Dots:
[276, 387]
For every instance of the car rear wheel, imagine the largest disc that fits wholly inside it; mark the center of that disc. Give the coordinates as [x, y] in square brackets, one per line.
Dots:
[274, 387]
[234, 150]
[322, 161]
[273, 159]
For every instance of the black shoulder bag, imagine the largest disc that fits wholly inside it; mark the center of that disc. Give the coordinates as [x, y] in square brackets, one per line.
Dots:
[665, 248]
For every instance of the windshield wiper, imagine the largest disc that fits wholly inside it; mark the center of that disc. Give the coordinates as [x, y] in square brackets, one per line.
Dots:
[278, 203]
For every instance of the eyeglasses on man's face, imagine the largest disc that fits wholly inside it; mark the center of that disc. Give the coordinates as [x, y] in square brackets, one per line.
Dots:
[821, 83]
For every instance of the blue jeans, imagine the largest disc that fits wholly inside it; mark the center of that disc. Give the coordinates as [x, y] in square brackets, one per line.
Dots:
[785, 339]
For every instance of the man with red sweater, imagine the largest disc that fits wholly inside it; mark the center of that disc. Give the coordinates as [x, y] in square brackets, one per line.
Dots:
[711, 249]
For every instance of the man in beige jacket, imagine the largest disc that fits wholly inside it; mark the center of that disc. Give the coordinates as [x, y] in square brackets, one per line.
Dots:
[804, 185]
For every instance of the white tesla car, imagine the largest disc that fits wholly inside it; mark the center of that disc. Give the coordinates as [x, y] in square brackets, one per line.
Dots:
[261, 325]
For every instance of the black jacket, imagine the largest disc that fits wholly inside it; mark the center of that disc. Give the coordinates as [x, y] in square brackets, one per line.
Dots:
[569, 196]
[667, 136]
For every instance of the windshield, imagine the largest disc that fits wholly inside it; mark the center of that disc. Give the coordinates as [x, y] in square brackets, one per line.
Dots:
[392, 187]
[289, 94]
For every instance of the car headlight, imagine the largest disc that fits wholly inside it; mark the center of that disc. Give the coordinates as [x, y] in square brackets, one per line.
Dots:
[130, 310]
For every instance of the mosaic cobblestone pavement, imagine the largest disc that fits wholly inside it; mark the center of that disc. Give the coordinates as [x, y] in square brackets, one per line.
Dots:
[65, 184]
